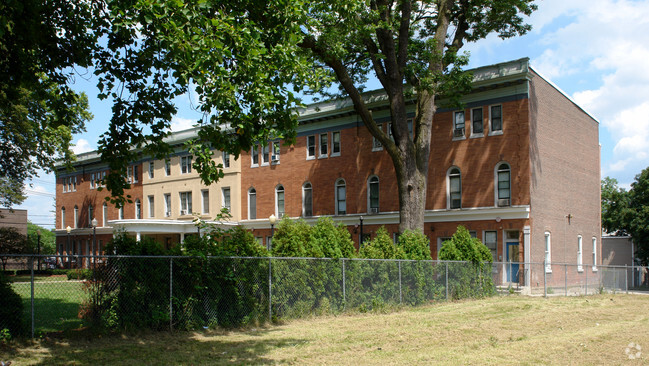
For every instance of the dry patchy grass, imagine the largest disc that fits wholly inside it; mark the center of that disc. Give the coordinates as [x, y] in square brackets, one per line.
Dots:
[510, 330]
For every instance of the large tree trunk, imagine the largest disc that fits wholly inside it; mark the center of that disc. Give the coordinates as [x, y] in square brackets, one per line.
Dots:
[412, 184]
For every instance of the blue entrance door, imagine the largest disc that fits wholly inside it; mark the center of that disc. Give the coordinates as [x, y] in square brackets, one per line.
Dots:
[512, 262]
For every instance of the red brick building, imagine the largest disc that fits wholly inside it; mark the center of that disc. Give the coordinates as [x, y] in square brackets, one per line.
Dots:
[518, 166]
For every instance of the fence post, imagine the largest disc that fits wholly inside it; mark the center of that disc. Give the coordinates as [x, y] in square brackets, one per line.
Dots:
[400, 297]
[270, 291]
[565, 277]
[446, 281]
[171, 293]
[545, 277]
[614, 279]
[31, 266]
[626, 278]
[344, 290]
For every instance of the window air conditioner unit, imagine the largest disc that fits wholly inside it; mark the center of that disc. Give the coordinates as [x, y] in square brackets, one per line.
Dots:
[374, 210]
[183, 212]
[274, 159]
[504, 202]
[167, 214]
[458, 132]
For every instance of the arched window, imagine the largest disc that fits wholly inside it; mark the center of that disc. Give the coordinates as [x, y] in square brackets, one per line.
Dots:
[341, 197]
[503, 185]
[62, 217]
[454, 188]
[252, 204]
[279, 201]
[138, 209]
[76, 217]
[104, 215]
[307, 200]
[373, 194]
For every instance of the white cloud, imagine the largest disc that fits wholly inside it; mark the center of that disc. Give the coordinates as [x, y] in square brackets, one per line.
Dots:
[179, 123]
[82, 146]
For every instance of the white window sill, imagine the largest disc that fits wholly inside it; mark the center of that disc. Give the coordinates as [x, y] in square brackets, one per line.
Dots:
[459, 138]
[264, 164]
[594, 269]
[377, 149]
[323, 156]
[495, 133]
[580, 269]
[548, 270]
[310, 158]
[254, 166]
[335, 154]
[477, 135]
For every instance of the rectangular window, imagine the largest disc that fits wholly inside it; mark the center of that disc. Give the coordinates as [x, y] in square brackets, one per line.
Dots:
[167, 168]
[74, 183]
[280, 202]
[335, 143]
[376, 144]
[205, 195]
[341, 198]
[62, 217]
[65, 185]
[167, 204]
[476, 122]
[548, 253]
[138, 209]
[275, 150]
[594, 254]
[458, 124]
[310, 147]
[226, 159]
[324, 149]
[185, 203]
[104, 215]
[121, 213]
[473, 234]
[496, 118]
[129, 174]
[76, 217]
[92, 181]
[580, 259]
[265, 152]
[252, 204]
[440, 243]
[411, 131]
[226, 197]
[186, 164]
[136, 173]
[151, 168]
[151, 206]
[254, 155]
[491, 241]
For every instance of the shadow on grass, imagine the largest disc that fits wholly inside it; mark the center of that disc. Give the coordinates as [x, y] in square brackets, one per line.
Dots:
[193, 348]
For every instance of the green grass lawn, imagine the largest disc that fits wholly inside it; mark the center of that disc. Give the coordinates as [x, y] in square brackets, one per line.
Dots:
[56, 304]
[594, 330]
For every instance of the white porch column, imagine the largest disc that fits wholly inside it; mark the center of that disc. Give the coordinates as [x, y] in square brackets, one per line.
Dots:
[527, 255]
[182, 237]
[137, 236]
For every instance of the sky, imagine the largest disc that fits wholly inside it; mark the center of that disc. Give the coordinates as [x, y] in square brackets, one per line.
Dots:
[595, 51]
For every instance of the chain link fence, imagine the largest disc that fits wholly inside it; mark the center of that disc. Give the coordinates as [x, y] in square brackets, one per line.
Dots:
[166, 293]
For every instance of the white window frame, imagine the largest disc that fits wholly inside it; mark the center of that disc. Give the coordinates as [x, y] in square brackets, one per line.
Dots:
[167, 201]
[493, 132]
[224, 203]
[326, 145]
[376, 144]
[594, 254]
[265, 154]
[138, 209]
[337, 200]
[580, 251]
[64, 185]
[104, 214]
[280, 188]
[333, 143]
[495, 250]
[369, 194]
[310, 156]
[120, 214]
[185, 202]
[136, 172]
[440, 242]
[151, 200]
[226, 159]
[205, 205]
[254, 152]
[91, 213]
[62, 217]
[167, 168]
[307, 187]
[186, 164]
[274, 152]
[548, 252]
[92, 181]
[252, 192]
[455, 127]
[76, 217]
[151, 169]
[129, 174]
[448, 187]
[473, 133]
[497, 197]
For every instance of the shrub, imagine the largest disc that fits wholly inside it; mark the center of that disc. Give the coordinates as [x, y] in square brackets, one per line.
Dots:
[11, 310]
[333, 240]
[293, 238]
[415, 245]
[381, 247]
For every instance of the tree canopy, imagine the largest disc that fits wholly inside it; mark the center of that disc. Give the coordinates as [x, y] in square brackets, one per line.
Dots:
[249, 61]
